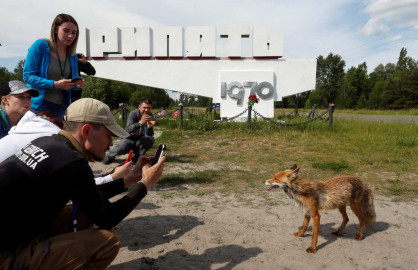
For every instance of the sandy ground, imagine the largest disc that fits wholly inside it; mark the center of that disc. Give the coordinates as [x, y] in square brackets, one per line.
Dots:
[167, 231]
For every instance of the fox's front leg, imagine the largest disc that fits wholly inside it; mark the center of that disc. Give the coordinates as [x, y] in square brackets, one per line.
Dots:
[315, 230]
[304, 225]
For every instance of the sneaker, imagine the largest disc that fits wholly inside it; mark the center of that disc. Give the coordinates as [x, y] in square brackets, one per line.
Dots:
[107, 160]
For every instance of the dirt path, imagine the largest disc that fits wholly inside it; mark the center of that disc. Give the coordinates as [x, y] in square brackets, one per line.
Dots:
[215, 232]
[167, 231]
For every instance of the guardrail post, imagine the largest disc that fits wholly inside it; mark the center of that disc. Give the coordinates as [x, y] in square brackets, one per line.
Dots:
[249, 116]
[296, 110]
[181, 115]
[331, 112]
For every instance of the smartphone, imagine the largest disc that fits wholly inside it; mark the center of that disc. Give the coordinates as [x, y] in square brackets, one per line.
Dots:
[159, 154]
[152, 118]
[129, 156]
[76, 79]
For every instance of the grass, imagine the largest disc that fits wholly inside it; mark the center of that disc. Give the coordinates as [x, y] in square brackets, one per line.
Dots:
[382, 154]
[332, 165]
[399, 188]
[376, 152]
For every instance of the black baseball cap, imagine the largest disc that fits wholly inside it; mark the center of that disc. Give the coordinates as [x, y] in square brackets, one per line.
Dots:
[17, 87]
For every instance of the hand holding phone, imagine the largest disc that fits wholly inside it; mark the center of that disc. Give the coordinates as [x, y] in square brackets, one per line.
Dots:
[159, 154]
[76, 79]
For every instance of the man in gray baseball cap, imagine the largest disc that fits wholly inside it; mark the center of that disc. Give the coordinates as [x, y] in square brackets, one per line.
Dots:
[37, 182]
[15, 102]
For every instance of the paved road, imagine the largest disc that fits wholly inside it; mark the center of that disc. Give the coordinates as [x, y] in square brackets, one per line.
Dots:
[403, 119]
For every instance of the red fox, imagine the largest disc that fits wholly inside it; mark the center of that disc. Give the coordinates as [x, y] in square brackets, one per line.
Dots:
[326, 195]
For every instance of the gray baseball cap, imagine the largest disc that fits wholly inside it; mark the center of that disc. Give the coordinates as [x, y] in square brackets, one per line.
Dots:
[17, 87]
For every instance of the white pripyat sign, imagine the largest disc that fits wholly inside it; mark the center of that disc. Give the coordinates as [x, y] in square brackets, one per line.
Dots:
[157, 57]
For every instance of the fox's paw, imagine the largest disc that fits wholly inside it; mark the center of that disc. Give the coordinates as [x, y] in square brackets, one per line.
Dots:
[358, 237]
[336, 233]
[298, 234]
[311, 250]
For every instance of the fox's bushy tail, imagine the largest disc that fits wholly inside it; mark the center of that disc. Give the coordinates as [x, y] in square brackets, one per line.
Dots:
[367, 207]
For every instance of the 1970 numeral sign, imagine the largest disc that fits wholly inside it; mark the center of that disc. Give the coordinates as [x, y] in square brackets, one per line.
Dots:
[254, 88]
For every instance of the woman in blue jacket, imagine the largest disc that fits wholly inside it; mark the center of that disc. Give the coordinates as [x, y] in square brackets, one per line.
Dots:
[50, 66]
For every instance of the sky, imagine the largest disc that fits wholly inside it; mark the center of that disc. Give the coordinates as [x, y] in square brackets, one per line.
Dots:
[371, 31]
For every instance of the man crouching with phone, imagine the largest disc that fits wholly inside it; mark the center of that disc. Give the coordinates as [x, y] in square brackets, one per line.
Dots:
[140, 126]
[37, 182]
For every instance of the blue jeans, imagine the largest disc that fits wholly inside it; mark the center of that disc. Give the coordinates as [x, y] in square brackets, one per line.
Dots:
[57, 109]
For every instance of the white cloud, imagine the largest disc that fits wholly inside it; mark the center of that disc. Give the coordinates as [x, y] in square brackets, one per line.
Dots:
[310, 28]
[398, 37]
[374, 28]
[28, 21]
[383, 13]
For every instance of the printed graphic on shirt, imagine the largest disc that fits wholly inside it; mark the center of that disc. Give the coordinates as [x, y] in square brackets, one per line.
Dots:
[31, 155]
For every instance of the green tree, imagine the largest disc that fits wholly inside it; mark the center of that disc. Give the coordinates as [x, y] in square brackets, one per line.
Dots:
[329, 79]
[355, 89]
[204, 101]
[402, 60]
[159, 97]
[401, 89]
[390, 69]
[5, 75]
[375, 98]
[380, 72]
[96, 88]
[18, 71]
[114, 92]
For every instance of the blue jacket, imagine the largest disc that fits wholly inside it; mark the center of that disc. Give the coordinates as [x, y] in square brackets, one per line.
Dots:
[35, 72]
[5, 124]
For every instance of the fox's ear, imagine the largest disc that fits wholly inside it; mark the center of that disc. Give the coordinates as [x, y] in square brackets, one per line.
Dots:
[293, 167]
[294, 174]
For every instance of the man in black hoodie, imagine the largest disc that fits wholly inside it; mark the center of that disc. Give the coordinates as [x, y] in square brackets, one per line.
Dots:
[37, 182]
